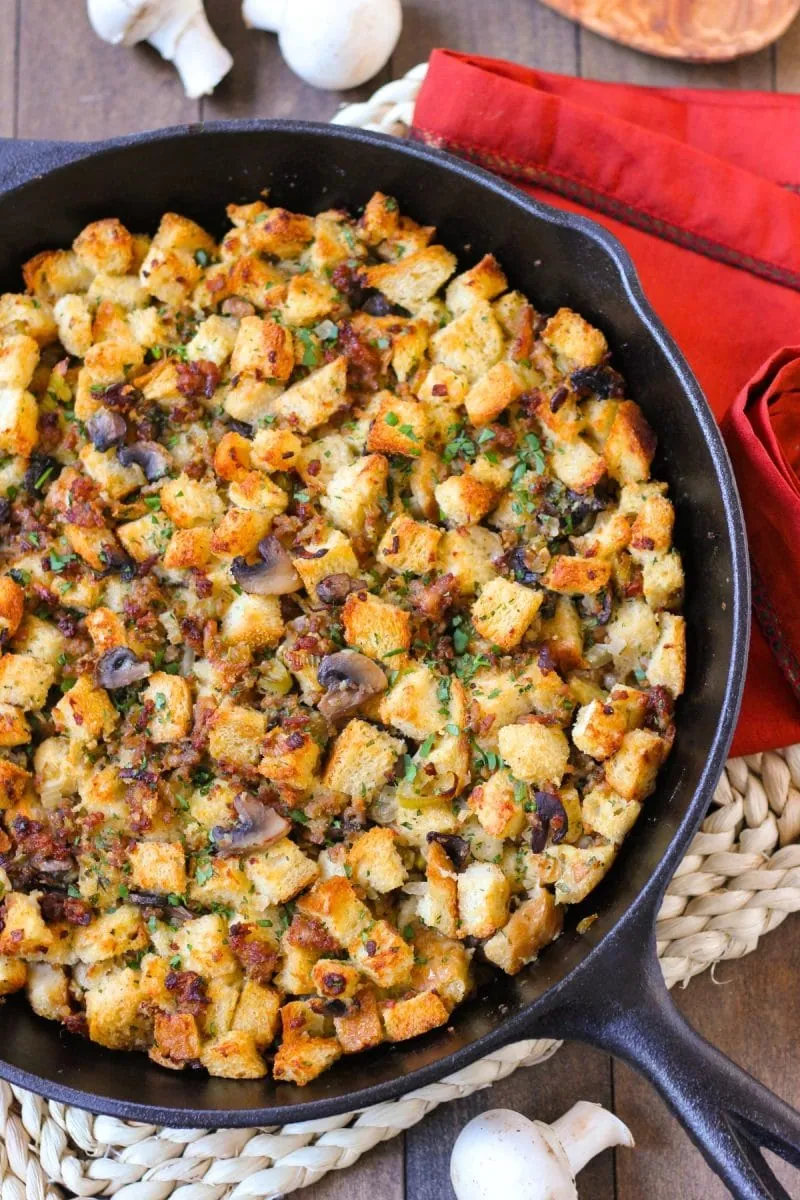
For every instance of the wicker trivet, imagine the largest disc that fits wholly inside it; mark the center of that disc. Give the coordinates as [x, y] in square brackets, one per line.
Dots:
[740, 879]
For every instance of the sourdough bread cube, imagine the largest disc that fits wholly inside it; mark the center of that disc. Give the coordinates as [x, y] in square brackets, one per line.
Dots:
[301, 1059]
[632, 634]
[415, 278]
[12, 606]
[336, 979]
[360, 1027]
[146, 537]
[610, 533]
[378, 629]
[314, 400]
[202, 945]
[290, 759]
[176, 1040]
[251, 399]
[577, 576]
[504, 611]
[114, 1014]
[605, 812]
[239, 532]
[633, 769]
[254, 621]
[263, 349]
[573, 340]
[468, 555]
[227, 885]
[353, 495]
[25, 681]
[535, 924]
[409, 545]
[438, 905]
[667, 666]
[577, 465]
[189, 502]
[398, 427]
[340, 559]
[535, 753]
[19, 356]
[257, 1013]
[662, 580]
[494, 392]
[579, 868]
[361, 760]
[95, 546]
[498, 807]
[158, 867]
[234, 1055]
[26, 314]
[470, 344]
[383, 955]
[171, 699]
[213, 341]
[308, 300]
[19, 414]
[110, 935]
[651, 532]
[108, 472]
[404, 1019]
[253, 490]
[85, 713]
[13, 975]
[281, 233]
[38, 638]
[105, 245]
[483, 896]
[188, 548]
[634, 496]
[280, 872]
[335, 903]
[376, 866]
[421, 703]
[464, 499]
[630, 445]
[235, 734]
[484, 281]
[24, 933]
[442, 393]
[297, 963]
[276, 449]
[14, 783]
[58, 765]
[599, 729]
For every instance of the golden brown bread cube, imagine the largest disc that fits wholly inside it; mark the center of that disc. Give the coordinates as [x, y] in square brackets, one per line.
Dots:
[378, 629]
[630, 445]
[535, 924]
[504, 611]
[403, 1019]
[535, 753]
[360, 1028]
[667, 666]
[577, 576]
[361, 760]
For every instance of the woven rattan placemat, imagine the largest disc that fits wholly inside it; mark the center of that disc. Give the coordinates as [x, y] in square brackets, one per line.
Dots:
[739, 880]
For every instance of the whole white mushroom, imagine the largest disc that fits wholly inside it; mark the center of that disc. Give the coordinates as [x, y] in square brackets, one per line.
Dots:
[501, 1155]
[331, 44]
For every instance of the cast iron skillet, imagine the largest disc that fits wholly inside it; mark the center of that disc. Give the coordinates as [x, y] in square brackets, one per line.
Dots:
[604, 987]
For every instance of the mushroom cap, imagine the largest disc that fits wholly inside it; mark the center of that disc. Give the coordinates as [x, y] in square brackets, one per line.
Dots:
[106, 428]
[120, 667]
[341, 45]
[349, 678]
[258, 825]
[502, 1153]
[274, 575]
[150, 456]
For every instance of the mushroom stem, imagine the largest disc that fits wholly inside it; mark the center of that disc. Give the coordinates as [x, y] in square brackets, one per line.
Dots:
[588, 1129]
[264, 14]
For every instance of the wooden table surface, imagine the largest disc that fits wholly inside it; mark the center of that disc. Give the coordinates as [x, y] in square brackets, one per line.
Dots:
[58, 81]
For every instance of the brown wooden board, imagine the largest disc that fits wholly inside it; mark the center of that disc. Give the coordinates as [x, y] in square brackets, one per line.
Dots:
[8, 65]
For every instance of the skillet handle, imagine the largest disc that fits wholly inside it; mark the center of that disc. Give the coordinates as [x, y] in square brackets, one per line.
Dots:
[22, 160]
[728, 1114]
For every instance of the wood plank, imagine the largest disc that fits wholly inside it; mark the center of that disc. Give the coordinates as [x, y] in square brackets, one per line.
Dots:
[750, 1012]
[8, 66]
[787, 60]
[602, 59]
[72, 85]
[261, 84]
[543, 1092]
[377, 1174]
[516, 29]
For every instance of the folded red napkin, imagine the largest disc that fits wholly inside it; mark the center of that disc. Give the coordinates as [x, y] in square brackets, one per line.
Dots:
[703, 188]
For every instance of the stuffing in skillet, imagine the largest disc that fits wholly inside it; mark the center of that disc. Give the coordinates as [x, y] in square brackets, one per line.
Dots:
[340, 633]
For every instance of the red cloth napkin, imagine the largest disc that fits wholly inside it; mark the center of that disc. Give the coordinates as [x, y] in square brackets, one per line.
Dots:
[703, 188]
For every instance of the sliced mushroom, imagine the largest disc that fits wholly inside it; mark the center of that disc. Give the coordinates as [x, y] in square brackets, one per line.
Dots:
[349, 678]
[152, 458]
[119, 668]
[273, 576]
[258, 826]
[106, 428]
[334, 589]
[173, 912]
[456, 848]
[549, 820]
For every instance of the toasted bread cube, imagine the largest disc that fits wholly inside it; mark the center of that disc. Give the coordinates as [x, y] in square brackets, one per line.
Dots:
[409, 545]
[13, 975]
[281, 233]
[25, 314]
[335, 903]
[95, 546]
[438, 905]
[301, 1059]
[484, 281]
[252, 399]
[234, 1055]
[632, 634]
[158, 867]
[383, 955]
[24, 933]
[577, 576]
[633, 769]
[257, 1013]
[110, 935]
[188, 548]
[652, 530]
[53, 273]
[381, 219]
[36, 637]
[264, 349]
[493, 392]
[294, 977]
[276, 449]
[580, 869]
[353, 495]
[113, 1011]
[235, 734]
[609, 534]
[12, 606]
[255, 491]
[308, 300]
[290, 759]
[630, 445]
[441, 965]
[535, 753]
[483, 895]
[535, 924]
[340, 559]
[85, 713]
[24, 681]
[421, 703]
[14, 729]
[176, 1039]
[375, 863]
[497, 807]
[464, 500]
[361, 760]
[662, 580]
[239, 532]
[360, 1027]
[171, 699]
[442, 393]
[336, 979]
[563, 635]
[57, 763]
[213, 341]
[504, 611]
[577, 465]
[189, 502]
[415, 278]
[314, 400]
[253, 620]
[573, 340]
[399, 427]
[376, 628]
[108, 472]
[202, 945]
[667, 666]
[403, 1019]
[470, 344]
[19, 356]
[146, 537]
[14, 783]
[19, 414]
[634, 496]
[280, 872]
[105, 246]
[605, 812]
[233, 455]
[599, 729]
